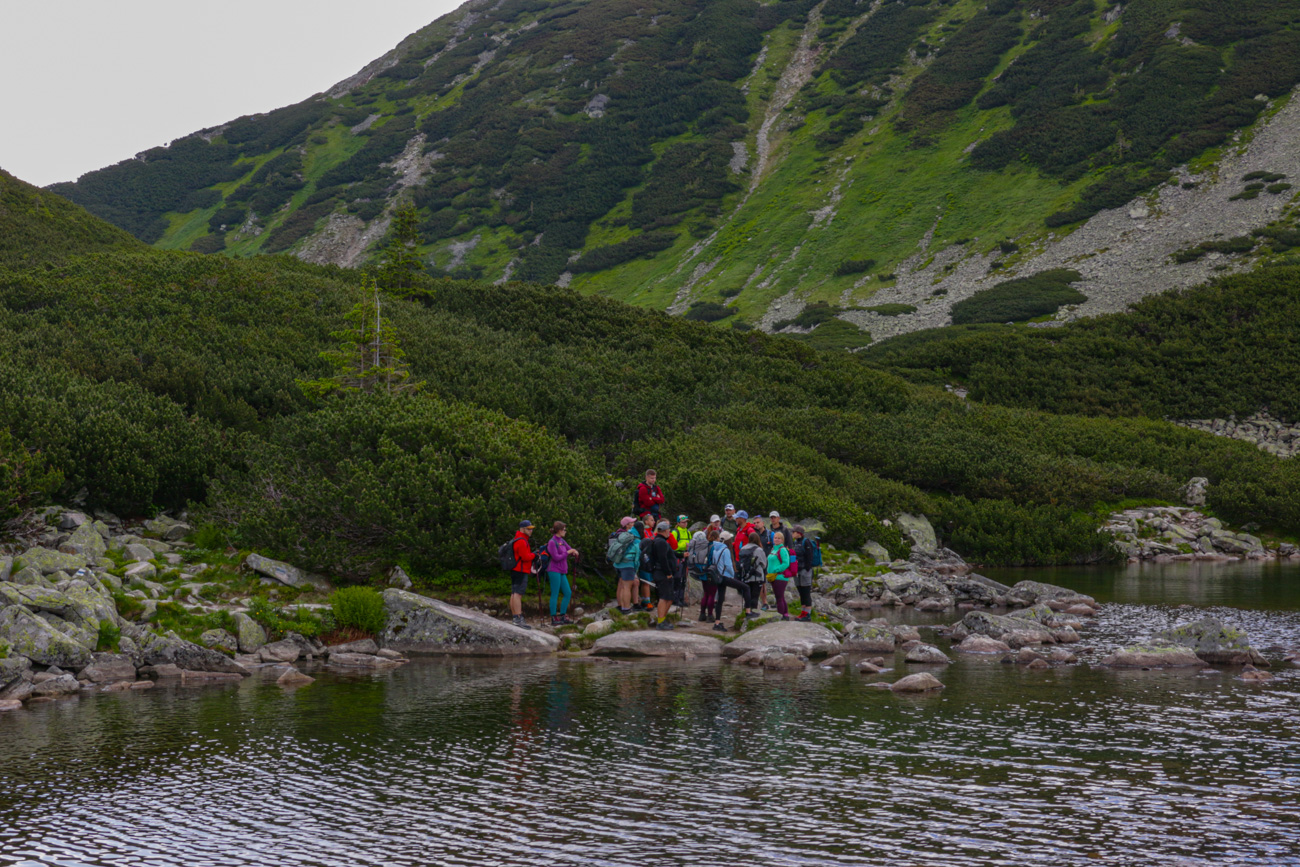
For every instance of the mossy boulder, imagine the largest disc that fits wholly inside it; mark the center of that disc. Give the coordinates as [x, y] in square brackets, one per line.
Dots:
[1153, 656]
[34, 637]
[1014, 631]
[1214, 641]
[417, 624]
[48, 562]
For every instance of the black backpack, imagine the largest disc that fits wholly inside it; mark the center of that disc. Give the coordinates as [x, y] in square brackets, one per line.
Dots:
[506, 554]
[753, 568]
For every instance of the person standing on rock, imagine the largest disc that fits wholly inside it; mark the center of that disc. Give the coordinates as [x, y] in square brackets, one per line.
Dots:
[804, 576]
[778, 563]
[523, 552]
[627, 540]
[753, 571]
[649, 498]
[725, 570]
[557, 572]
[698, 561]
[663, 567]
[680, 540]
[646, 576]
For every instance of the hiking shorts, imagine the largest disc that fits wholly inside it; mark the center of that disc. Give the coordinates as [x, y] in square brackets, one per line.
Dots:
[518, 583]
[664, 584]
[626, 573]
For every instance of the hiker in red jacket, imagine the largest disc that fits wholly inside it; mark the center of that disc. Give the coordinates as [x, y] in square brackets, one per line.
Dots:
[519, 575]
[649, 498]
[742, 535]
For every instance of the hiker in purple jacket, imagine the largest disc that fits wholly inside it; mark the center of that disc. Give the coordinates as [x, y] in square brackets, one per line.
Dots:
[557, 570]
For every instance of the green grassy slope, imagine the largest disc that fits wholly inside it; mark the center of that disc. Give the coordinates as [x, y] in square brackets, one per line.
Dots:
[154, 378]
[595, 139]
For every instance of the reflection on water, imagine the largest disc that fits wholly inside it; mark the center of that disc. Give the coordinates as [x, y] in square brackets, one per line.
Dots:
[551, 762]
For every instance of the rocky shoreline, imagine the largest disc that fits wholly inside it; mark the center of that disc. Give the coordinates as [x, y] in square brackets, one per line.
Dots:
[58, 606]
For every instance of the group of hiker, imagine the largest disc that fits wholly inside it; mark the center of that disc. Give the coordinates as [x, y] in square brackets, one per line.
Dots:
[756, 557]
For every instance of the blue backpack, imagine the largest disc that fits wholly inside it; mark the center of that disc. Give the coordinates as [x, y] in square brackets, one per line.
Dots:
[812, 553]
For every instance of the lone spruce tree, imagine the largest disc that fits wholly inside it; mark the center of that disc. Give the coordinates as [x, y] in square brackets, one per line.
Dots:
[401, 263]
[369, 358]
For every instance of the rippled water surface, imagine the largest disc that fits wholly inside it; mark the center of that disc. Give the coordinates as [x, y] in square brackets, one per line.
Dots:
[648, 763]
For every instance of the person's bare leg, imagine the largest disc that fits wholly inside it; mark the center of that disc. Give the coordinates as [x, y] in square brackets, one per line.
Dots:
[664, 605]
[516, 604]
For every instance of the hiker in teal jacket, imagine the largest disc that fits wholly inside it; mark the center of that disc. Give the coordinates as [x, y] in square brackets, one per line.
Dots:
[627, 565]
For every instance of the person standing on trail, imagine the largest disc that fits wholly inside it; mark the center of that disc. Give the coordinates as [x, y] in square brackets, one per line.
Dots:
[649, 498]
[742, 535]
[663, 567]
[779, 566]
[523, 552]
[753, 571]
[627, 540]
[557, 572]
[679, 541]
[698, 564]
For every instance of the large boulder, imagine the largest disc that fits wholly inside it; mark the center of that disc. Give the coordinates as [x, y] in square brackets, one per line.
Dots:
[918, 529]
[913, 586]
[219, 639]
[976, 588]
[48, 562]
[12, 668]
[1214, 641]
[1034, 592]
[86, 541]
[418, 624]
[108, 667]
[876, 551]
[652, 642]
[64, 684]
[288, 575]
[284, 650]
[30, 576]
[251, 634]
[365, 645]
[788, 636]
[1014, 631]
[167, 529]
[1153, 656]
[6, 568]
[34, 637]
[927, 654]
[869, 638]
[170, 649]
[1045, 616]
[982, 644]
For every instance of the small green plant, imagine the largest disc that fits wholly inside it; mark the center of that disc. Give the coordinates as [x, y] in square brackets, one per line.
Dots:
[278, 621]
[211, 537]
[109, 637]
[708, 311]
[360, 608]
[127, 606]
[4, 650]
[854, 266]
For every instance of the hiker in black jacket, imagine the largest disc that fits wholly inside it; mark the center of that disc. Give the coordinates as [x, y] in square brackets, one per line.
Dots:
[663, 566]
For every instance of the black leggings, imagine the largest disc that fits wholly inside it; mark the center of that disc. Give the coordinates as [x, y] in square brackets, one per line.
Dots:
[805, 597]
[722, 595]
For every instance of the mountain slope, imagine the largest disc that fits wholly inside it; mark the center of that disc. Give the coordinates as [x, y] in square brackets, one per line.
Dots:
[752, 156]
[37, 226]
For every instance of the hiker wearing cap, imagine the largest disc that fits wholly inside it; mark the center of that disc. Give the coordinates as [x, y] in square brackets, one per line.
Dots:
[804, 577]
[679, 540]
[776, 525]
[729, 522]
[715, 523]
[778, 563]
[663, 568]
[624, 554]
[558, 551]
[649, 498]
[745, 528]
[725, 573]
[523, 552]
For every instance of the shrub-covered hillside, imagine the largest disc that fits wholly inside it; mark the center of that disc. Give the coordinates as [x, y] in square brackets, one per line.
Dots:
[723, 151]
[1229, 348]
[153, 379]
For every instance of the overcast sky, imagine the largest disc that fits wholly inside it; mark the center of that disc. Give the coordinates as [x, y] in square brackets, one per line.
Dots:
[88, 83]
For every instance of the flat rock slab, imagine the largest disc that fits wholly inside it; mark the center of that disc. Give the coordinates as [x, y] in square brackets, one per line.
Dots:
[982, 644]
[655, 643]
[1153, 656]
[365, 645]
[418, 624]
[917, 683]
[286, 574]
[801, 639]
[362, 660]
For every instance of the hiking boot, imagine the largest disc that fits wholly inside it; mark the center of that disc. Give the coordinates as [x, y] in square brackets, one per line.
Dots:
[625, 611]
[803, 618]
[785, 616]
[704, 616]
[565, 621]
[518, 620]
[719, 627]
[663, 626]
[556, 620]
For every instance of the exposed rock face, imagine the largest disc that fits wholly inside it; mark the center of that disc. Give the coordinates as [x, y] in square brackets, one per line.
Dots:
[290, 576]
[924, 682]
[1176, 533]
[1153, 656]
[802, 639]
[64, 684]
[1262, 430]
[1213, 641]
[655, 643]
[33, 636]
[171, 650]
[417, 624]
[365, 645]
[48, 562]
[219, 639]
[85, 541]
[918, 530]
[283, 650]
